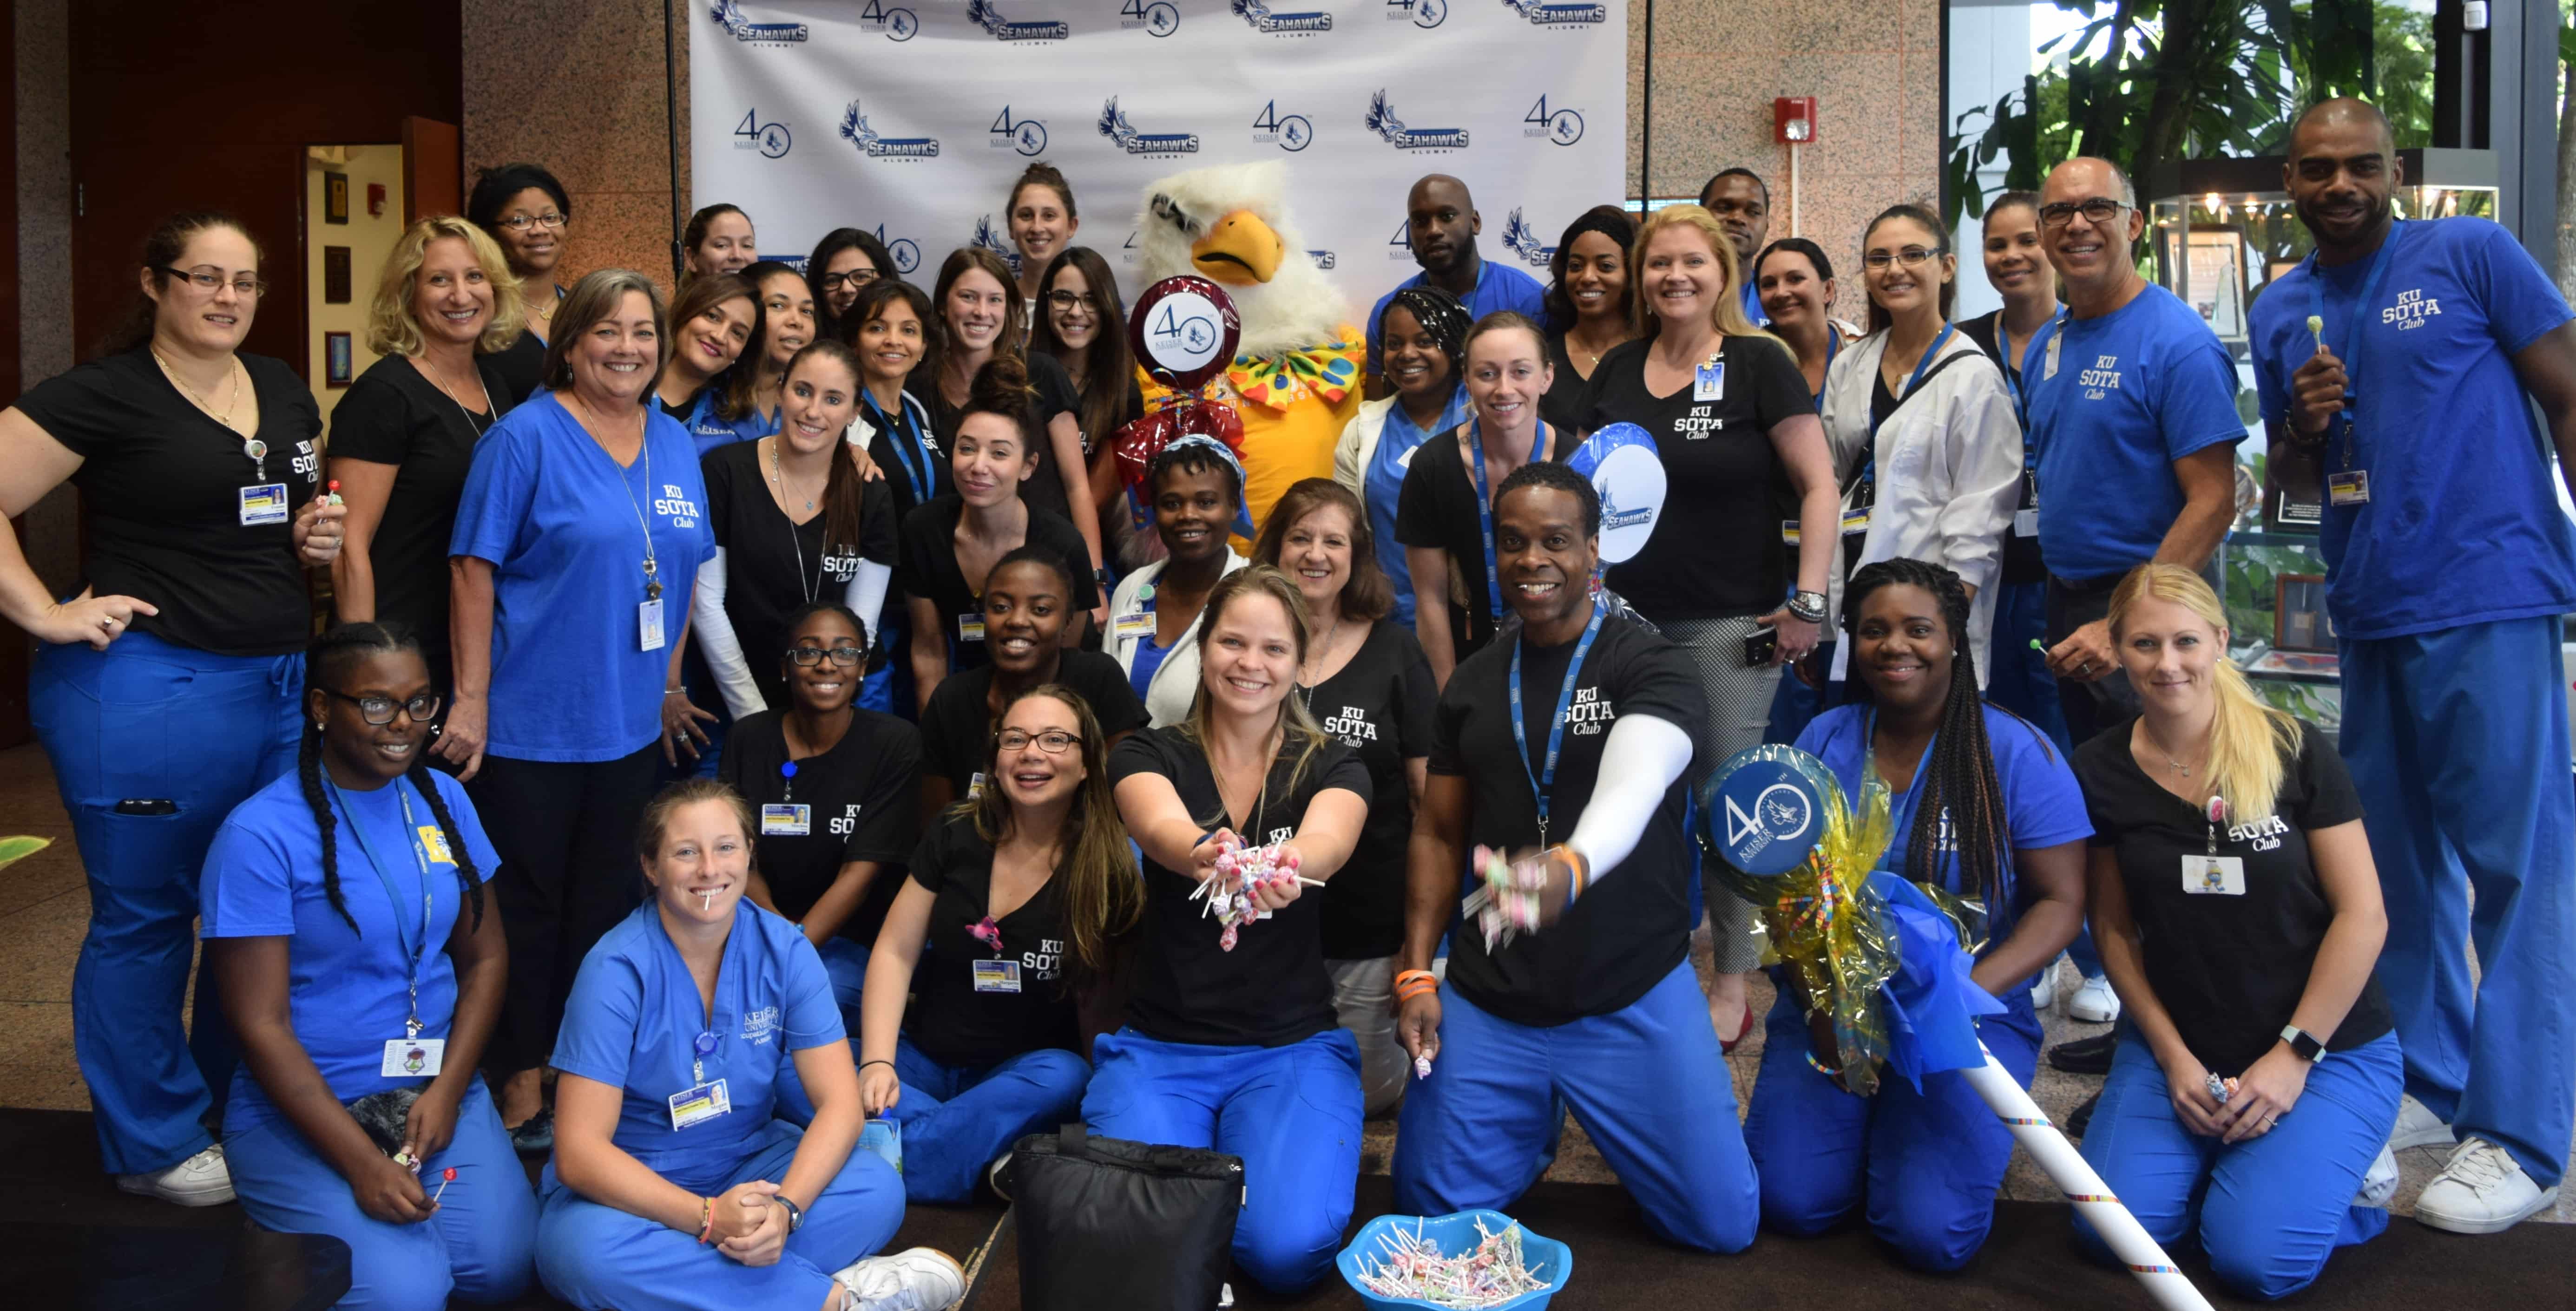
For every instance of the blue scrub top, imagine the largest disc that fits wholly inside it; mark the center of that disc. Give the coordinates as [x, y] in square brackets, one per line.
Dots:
[2134, 391]
[2043, 803]
[1397, 438]
[558, 519]
[1149, 658]
[710, 430]
[347, 992]
[1498, 287]
[1753, 311]
[2463, 525]
[634, 1017]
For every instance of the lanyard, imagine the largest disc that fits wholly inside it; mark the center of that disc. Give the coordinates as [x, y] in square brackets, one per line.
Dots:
[1542, 782]
[1833, 347]
[1485, 512]
[908, 448]
[2380, 259]
[420, 861]
[2017, 376]
[1869, 461]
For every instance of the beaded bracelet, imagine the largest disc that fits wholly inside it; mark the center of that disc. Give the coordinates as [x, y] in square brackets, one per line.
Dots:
[706, 1219]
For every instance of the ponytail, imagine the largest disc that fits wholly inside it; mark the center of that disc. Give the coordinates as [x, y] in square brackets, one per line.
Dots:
[844, 494]
[2249, 741]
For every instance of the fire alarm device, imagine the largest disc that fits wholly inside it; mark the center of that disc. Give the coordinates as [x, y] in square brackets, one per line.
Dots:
[1794, 119]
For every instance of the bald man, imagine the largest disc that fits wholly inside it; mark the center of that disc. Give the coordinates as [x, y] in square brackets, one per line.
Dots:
[1741, 202]
[1440, 225]
[2407, 358]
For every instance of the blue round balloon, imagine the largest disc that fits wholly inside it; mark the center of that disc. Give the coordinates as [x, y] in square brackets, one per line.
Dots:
[1767, 811]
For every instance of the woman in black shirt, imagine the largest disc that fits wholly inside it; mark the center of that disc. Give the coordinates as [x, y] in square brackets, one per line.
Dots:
[1591, 307]
[169, 688]
[1082, 325]
[2238, 913]
[1366, 681]
[1017, 897]
[786, 327]
[1231, 1041]
[402, 436]
[523, 207]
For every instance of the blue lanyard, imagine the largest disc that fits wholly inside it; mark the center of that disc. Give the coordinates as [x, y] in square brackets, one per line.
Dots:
[1485, 511]
[1869, 462]
[420, 860]
[907, 445]
[2380, 259]
[1833, 347]
[2017, 377]
[1542, 781]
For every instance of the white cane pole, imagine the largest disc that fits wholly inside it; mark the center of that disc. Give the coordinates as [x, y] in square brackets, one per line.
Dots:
[2165, 1283]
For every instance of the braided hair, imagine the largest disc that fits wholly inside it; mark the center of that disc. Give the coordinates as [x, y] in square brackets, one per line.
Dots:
[326, 661]
[1959, 777]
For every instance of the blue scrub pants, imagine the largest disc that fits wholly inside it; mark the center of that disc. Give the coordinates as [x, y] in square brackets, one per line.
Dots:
[1647, 1082]
[148, 720]
[1926, 1163]
[1292, 1113]
[2269, 1210]
[1796, 705]
[957, 1118]
[2457, 743]
[602, 1259]
[480, 1243]
[2020, 681]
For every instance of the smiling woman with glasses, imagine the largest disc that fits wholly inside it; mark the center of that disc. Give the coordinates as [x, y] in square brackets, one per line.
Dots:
[1082, 324]
[844, 262]
[525, 209]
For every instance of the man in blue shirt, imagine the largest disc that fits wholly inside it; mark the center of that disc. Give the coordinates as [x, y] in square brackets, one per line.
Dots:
[2134, 416]
[1441, 223]
[2406, 357]
[1741, 203]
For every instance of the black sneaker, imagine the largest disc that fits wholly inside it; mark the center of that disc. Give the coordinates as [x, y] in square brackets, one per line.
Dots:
[535, 1135]
[2082, 1115]
[2085, 1055]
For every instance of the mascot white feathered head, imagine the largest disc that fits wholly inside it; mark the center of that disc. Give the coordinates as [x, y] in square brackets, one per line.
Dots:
[1230, 224]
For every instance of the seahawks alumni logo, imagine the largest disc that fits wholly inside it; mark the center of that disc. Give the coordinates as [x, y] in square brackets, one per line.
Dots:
[855, 130]
[1559, 15]
[1521, 239]
[984, 14]
[730, 17]
[1381, 119]
[1262, 20]
[1114, 125]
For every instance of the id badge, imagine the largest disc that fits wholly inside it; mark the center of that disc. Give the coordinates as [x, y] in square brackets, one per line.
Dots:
[2216, 876]
[1855, 522]
[786, 821]
[1789, 531]
[1139, 624]
[700, 1104]
[975, 786]
[1710, 383]
[2350, 487]
[970, 628]
[413, 1058]
[2026, 522]
[648, 625]
[264, 504]
[997, 976]
[885, 1138]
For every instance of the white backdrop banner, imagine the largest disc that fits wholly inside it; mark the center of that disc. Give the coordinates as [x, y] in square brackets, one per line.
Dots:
[911, 118]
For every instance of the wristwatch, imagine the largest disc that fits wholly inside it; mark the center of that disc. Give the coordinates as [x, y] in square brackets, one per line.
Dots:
[1807, 607]
[2303, 1046]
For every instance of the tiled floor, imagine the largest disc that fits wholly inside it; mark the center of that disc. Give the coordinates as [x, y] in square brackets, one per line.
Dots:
[44, 909]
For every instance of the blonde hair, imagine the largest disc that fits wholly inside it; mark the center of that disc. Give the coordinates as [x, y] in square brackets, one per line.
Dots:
[1298, 731]
[393, 323]
[2248, 740]
[1728, 316]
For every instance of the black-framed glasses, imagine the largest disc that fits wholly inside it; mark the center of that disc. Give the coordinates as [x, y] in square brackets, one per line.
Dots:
[1909, 257]
[1065, 300]
[379, 710]
[810, 656]
[1052, 741]
[854, 278]
[522, 222]
[210, 280]
[2097, 211]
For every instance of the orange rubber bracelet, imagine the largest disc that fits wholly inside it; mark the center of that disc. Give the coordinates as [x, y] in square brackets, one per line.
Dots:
[706, 1219]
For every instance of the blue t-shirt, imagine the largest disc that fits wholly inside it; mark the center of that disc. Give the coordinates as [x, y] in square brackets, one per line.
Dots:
[1753, 311]
[2132, 391]
[347, 993]
[562, 526]
[1384, 479]
[710, 430]
[1498, 287]
[1149, 658]
[633, 1021]
[2043, 804]
[2462, 525]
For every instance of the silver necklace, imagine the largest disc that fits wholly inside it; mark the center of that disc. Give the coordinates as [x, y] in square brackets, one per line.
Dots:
[795, 543]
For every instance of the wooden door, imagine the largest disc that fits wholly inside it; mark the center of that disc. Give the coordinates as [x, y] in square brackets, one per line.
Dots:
[433, 168]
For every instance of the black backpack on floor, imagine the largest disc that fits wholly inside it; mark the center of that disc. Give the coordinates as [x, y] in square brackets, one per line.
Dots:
[1103, 1222]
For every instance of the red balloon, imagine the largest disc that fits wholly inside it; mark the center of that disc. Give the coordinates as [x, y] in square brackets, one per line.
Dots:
[1184, 330]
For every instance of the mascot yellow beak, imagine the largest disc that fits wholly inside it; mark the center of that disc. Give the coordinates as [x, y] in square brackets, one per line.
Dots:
[1239, 250]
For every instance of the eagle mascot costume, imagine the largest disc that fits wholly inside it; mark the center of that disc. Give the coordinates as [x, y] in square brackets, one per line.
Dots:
[1295, 376]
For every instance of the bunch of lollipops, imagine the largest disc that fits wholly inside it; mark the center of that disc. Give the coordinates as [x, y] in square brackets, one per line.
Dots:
[1241, 871]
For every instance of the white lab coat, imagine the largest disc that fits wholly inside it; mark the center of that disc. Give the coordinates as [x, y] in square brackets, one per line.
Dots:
[1176, 680]
[1948, 471]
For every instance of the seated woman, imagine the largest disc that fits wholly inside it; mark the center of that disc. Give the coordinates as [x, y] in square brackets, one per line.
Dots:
[2246, 981]
[673, 1183]
[1196, 494]
[1017, 896]
[1026, 599]
[1983, 807]
[337, 993]
[1240, 1050]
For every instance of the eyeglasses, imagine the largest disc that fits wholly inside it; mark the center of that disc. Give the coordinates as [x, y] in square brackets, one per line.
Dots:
[1906, 258]
[810, 656]
[212, 280]
[2097, 211]
[1065, 300]
[379, 710]
[522, 222]
[1053, 741]
[853, 278]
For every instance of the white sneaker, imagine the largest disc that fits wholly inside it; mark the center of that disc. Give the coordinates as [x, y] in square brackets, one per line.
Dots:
[201, 1180]
[2379, 1183]
[2095, 1003]
[2043, 994]
[2417, 1126]
[2481, 1191]
[916, 1279]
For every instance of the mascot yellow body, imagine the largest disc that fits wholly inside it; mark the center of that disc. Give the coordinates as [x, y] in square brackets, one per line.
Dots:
[1295, 379]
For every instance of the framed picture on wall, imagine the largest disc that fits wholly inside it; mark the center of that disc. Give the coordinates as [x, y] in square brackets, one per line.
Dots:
[335, 197]
[335, 275]
[336, 359]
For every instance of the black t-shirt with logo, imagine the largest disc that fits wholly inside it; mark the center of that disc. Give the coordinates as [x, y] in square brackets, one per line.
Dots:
[865, 805]
[929, 567]
[1053, 394]
[1379, 705]
[2229, 967]
[956, 729]
[1631, 928]
[774, 565]
[393, 414]
[1272, 989]
[163, 486]
[1024, 1003]
[1715, 552]
[1437, 508]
